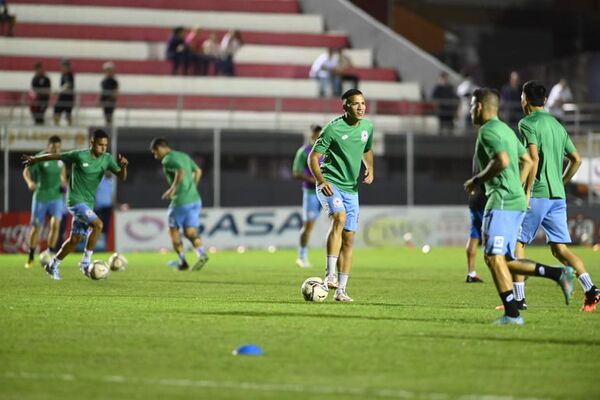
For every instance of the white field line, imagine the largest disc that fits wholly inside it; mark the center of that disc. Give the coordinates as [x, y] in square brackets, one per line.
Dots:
[265, 387]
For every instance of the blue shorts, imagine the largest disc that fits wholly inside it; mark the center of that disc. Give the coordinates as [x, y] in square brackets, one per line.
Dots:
[311, 207]
[83, 216]
[551, 215]
[476, 222]
[341, 201]
[500, 231]
[39, 210]
[185, 216]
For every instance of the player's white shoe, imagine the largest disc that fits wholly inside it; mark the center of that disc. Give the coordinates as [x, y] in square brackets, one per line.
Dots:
[341, 295]
[330, 282]
[303, 263]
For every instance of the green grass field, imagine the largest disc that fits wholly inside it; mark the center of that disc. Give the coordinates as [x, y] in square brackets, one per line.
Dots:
[416, 330]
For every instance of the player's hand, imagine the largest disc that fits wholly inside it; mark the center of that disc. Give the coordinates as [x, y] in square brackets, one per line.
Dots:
[368, 177]
[528, 198]
[470, 186]
[123, 162]
[32, 186]
[326, 189]
[27, 160]
[168, 195]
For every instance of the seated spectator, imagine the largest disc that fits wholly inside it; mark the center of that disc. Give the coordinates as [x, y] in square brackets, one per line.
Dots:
[212, 49]
[177, 51]
[109, 91]
[323, 69]
[40, 94]
[7, 18]
[198, 59]
[66, 93]
[342, 70]
[230, 44]
[446, 102]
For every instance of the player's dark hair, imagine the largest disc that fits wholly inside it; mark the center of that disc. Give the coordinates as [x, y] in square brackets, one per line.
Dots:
[158, 142]
[54, 139]
[316, 128]
[487, 96]
[535, 93]
[99, 134]
[349, 93]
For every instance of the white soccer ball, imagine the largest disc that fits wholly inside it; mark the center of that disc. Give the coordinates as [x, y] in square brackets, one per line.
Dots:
[99, 270]
[45, 257]
[313, 289]
[117, 262]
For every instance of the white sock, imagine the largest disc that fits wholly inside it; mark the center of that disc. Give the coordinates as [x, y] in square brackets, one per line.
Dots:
[200, 251]
[586, 281]
[87, 256]
[331, 266]
[181, 257]
[472, 274]
[303, 253]
[55, 262]
[519, 290]
[342, 281]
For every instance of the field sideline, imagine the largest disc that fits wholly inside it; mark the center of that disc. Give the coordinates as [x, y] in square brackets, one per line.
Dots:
[415, 331]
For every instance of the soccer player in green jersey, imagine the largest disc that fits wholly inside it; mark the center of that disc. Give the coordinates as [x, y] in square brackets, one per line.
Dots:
[548, 144]
[505, 167]
[311, 207]
[46, 180]
[87, 168]
[183, 175]
[345, 143]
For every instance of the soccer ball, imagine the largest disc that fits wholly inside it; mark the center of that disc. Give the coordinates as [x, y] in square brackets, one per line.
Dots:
[45, 257]
[98, 270]
[313, 289]
[117, 262]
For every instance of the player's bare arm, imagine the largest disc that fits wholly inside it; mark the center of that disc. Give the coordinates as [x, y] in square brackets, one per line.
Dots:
[170, 192]
[574, 164]
[197, 175]
[28, 160]
[369, 172]
[532, 149]
[29, 180]
[525, 165]
[315, 168]
[496, 165]
[123, 163]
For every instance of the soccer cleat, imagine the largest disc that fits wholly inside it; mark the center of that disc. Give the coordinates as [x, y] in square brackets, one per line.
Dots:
[473, 279]
[342, 296]
[52, 271]
[29, 264]
[566, 283]
[331, 283]
[303, 263]
[506, 320]
[183, 266]
[590, 300]
[200, 262]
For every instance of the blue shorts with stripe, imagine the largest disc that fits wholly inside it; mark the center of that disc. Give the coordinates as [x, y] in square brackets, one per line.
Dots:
[185, 216]
[500, 232]
[83, 216]
[551, 215]
[341, 201]
[311, 206]
[476, 222]
[39, 210]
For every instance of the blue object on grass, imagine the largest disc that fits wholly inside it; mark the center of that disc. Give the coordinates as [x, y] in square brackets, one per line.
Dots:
[248, 350]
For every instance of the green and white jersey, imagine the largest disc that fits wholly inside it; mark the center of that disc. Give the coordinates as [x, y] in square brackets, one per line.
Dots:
[86, 174]
[47, 177]
[504, 191]
[343, 147]
[553, 142]
[186, 192]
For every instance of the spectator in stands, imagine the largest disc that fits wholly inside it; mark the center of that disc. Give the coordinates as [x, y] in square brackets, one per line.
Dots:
[39, 94]
[464, 91]
[212, 50]
[230, 44]
[66, 93]
[323, 69]
[510, 100]
[198, 59]
[104, 201]
[445, 102]
[559, 95]
[177, 51]
[7, 18]
[109, 91]
[341, 70]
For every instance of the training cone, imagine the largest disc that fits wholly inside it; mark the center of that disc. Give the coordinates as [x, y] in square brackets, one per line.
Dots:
[248, 350]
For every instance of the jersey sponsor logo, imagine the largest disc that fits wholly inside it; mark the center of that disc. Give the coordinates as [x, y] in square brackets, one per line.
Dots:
[85, 164]
[60, 163]
[46, 164]
[364, 136]
[344, 137]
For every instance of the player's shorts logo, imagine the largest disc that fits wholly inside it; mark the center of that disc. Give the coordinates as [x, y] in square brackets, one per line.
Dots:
[89, 213]
[337, 202]
[364, 136]
[498, 242]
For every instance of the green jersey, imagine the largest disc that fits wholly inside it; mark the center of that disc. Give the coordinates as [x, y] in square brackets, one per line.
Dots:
[504, 191]
[543, 130]
[186, 192]
[47, 176]
[343, 147]
[86, 174]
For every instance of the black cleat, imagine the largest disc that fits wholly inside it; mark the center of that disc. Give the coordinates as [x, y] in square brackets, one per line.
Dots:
[183, 266]
[473, 279]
